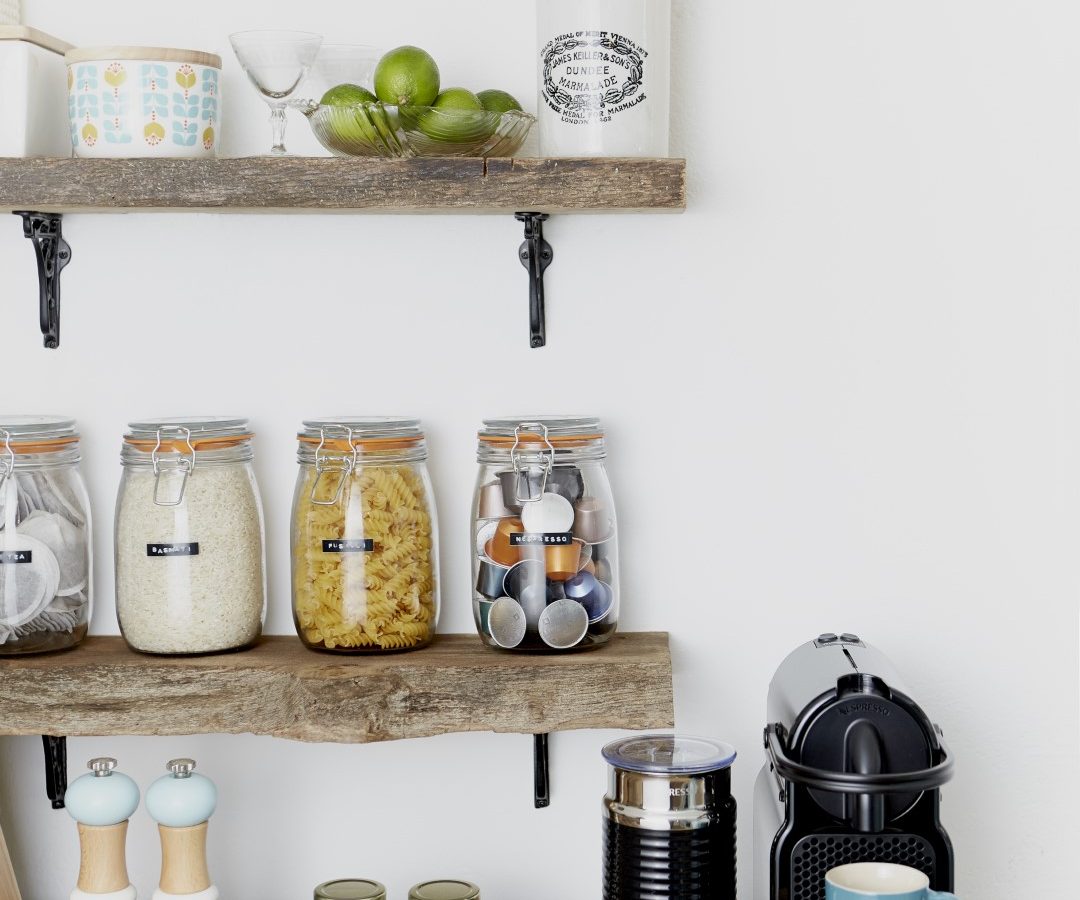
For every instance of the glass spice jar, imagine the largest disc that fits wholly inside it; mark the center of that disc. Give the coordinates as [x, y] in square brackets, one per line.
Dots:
[350, 889]
[545, 554]
[444, 890]
[365, 544]
[190, 544]
[46, 554]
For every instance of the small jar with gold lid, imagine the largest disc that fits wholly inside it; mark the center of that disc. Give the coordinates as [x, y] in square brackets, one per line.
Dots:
[545, 554]
[365, 543]
[350, 889]
[444, 890]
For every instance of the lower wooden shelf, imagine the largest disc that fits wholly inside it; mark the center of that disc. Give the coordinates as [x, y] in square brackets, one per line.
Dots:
[280, 688]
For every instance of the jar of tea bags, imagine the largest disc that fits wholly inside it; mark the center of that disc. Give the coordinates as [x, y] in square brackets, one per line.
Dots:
[46, 572]
[190, 562]
[365, 545]
[545, 556]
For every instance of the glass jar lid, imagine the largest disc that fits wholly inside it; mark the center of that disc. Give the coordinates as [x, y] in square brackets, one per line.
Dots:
[36, 434]
[390, 438]
[200, 432]
[669, 754]
[565, 438]
[445, 890]
[350, 889]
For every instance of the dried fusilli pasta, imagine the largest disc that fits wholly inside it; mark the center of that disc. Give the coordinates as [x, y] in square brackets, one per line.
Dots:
[382, 598]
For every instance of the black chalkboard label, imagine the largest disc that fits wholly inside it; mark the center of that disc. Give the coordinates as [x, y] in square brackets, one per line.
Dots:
[172, 549]
[358, 546]
[16, 557]
[554, 539]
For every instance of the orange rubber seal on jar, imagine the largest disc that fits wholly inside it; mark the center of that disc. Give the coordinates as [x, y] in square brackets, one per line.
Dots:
[566, 440]
[50, 446]
[185, 446]
[343, 445]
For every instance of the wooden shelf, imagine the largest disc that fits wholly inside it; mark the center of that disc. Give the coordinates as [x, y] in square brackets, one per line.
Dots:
[280, 688]
[302, 184]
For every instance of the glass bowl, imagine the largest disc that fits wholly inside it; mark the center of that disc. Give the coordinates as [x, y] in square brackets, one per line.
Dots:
[402, 132]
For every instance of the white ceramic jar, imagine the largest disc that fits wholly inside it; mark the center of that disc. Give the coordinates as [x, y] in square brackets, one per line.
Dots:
[128, 102]
[604, 77]
[32, 91]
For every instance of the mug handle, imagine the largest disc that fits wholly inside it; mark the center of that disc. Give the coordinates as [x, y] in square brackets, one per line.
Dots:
[940, 895]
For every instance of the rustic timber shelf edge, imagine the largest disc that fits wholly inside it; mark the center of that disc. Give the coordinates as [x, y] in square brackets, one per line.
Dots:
[43, 190]
[281, 689]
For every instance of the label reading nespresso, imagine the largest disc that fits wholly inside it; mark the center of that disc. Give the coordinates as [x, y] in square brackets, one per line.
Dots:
[16, 557]
[159, 550]
[548, 539]
[358, 546]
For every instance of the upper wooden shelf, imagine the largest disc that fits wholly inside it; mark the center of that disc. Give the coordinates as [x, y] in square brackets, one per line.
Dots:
[282, 689]
[318, 184]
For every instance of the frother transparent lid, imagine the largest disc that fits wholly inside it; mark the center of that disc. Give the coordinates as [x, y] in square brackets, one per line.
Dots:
[667, 754]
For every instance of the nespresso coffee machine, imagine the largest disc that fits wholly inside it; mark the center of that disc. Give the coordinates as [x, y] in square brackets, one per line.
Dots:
[853, 771]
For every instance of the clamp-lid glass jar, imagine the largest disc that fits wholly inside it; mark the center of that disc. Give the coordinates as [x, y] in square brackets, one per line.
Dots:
[545, 555]
[46, 559]
[190, 558]
[365, 537]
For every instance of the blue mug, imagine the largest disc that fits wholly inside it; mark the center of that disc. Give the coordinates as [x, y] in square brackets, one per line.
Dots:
[878, 881]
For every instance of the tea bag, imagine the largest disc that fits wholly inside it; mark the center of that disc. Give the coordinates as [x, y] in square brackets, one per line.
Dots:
[29, 572]
[67, 543]
[54, 495]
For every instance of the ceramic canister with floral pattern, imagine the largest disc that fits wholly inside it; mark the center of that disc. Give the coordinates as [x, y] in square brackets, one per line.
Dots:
[144, 102]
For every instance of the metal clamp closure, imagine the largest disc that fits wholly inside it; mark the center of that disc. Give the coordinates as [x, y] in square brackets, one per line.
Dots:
[524, 464]
[185, 465]
[328, 462]
[7, 461]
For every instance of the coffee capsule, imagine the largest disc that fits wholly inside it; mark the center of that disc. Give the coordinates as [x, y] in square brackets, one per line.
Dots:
[490, 579]
[522, 575]
[603, 550]
[595, 596]
[499, 547]
[602, 570]
[506, 622]
[592, 521]
[551, 514]
[563, 624]
[567, 481]
[533, 601]
[602, 619]
[556, 590]
[484, 533]
[484, 610]
[581, 586]
[520, 487]
[563, 560]
[491, 505]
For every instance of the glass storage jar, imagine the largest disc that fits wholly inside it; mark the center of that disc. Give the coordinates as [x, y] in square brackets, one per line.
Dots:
[365, 541]
[46, 556]
[545, 555]
[190, 558]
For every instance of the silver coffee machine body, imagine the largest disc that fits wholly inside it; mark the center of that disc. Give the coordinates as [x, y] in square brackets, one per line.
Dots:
[852, 772]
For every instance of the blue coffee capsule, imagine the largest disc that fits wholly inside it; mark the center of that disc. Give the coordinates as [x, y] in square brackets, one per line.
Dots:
[556, 590]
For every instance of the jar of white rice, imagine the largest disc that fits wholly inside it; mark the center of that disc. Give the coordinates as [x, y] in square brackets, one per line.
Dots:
[190, 557]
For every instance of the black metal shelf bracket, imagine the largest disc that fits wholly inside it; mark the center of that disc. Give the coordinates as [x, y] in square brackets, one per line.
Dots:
[541, 772]
[55, 768]
[536, 255]
[53, 253]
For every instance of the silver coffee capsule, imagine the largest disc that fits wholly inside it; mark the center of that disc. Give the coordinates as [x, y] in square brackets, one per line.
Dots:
[592, 521]
[483, 608]
[484, 534]
[533, 600]
[525, 573]
[563, 624]
[491, 505]
[506, 621]
[490, 579]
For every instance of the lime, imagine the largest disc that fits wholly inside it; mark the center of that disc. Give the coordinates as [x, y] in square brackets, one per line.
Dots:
[457, 117]
[407, 76]
[347, 95]
[499, 102]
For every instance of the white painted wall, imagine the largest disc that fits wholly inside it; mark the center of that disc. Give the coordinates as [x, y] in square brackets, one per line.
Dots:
[841, 393]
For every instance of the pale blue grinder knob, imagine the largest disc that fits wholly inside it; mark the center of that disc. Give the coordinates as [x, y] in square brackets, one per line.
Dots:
[103, 797]
[182, 798]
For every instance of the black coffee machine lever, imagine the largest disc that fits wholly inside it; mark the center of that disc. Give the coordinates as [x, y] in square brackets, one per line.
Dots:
[785, 768]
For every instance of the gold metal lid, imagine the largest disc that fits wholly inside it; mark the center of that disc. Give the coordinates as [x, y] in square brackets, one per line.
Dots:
[445, 890]
[350, 889]
[149, 54]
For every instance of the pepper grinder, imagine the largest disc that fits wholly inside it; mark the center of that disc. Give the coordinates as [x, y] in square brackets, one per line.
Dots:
[182, 803]
[102, 802]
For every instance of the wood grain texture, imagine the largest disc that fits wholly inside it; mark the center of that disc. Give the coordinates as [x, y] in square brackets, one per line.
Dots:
[103, 858]
[9, 887]
[282, 689]
[262, 184]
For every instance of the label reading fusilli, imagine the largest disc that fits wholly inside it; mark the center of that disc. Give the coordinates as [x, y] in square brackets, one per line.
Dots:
[16, 557]
[159, 550]
[549, 539]
[357, 546]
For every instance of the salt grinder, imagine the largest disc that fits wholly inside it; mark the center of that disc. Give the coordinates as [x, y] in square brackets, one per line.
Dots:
[102, 802]
[182, 803]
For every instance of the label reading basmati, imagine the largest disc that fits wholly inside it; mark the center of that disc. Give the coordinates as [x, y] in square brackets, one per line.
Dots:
[172, 549]
[353, 546]
[16, 557]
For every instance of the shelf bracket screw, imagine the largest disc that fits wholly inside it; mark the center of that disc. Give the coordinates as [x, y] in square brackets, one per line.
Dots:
[53, 253]
[535, 255]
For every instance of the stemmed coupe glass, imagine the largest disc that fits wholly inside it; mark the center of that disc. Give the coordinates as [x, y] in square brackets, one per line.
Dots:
[277, 62]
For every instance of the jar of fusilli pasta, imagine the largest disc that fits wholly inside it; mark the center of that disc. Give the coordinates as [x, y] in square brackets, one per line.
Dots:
[365, 546]
[545, 554]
